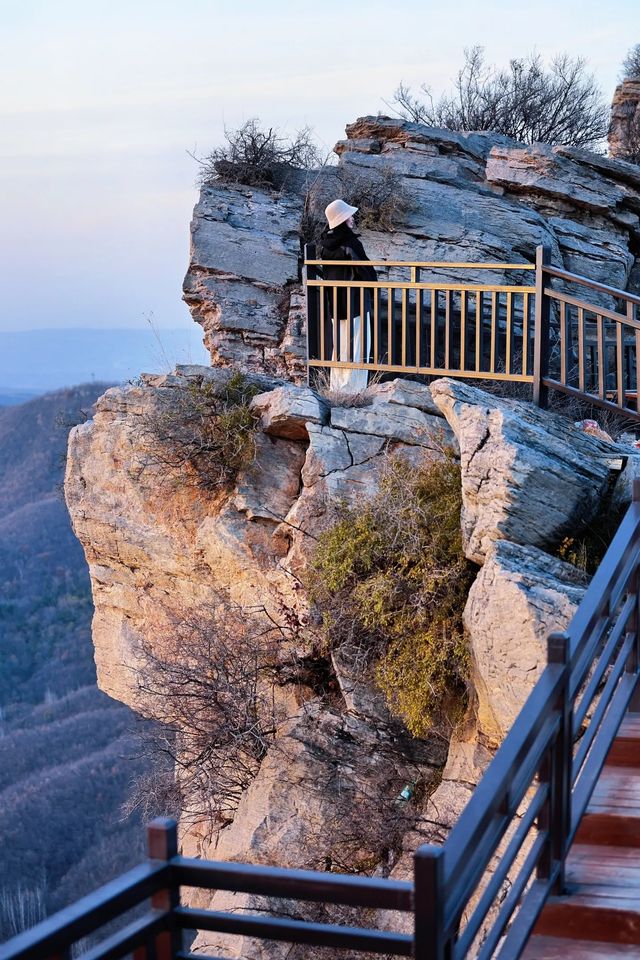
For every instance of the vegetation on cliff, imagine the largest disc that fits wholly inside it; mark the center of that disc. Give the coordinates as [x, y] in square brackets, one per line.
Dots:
[205, 431]
[561, 103]
[392, 580]
[208, 679]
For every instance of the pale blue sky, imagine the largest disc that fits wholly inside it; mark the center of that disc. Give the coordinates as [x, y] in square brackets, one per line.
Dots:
[101, 99]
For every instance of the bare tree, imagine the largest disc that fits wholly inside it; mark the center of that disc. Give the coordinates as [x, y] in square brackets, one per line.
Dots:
[209, 682]
[259, 156]
[526, 101]
[631, 64]
[21, 907]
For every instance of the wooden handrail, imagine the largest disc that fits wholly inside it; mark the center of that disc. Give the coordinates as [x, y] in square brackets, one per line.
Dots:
[592, 284]
[599, 642]
[419, 285]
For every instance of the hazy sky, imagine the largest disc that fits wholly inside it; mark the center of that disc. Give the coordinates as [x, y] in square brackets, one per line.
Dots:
[100, 100]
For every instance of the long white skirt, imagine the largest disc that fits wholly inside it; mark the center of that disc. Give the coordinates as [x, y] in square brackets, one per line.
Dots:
[351, 381]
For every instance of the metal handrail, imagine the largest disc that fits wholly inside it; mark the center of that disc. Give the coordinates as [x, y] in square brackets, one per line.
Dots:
[475, 330]
[427, 264]
[603, 638]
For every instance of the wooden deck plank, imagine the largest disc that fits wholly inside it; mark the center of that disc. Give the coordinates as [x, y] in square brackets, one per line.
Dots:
[559, 948]
[599, 916]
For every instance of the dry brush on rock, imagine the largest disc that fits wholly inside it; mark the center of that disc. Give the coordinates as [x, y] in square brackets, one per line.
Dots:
[210, 680]
[258, 156]
[205, 433]
[392, 580]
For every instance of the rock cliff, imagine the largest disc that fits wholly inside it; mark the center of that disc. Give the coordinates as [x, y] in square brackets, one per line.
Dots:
[325, 792]
[337, 782]
[468, 197]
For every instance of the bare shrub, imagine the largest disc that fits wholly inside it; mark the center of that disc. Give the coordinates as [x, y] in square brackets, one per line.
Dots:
[631, 64]
[206, 430]
[258, 156]
[209, 682]
[380, 196]
[527, 101]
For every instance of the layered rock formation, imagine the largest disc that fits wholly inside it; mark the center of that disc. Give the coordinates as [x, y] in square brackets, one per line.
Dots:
[160, 550]
[468, 197]
[330, 789]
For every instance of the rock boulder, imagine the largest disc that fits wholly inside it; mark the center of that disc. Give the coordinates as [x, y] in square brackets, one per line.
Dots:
[520, 596]
[528, 475]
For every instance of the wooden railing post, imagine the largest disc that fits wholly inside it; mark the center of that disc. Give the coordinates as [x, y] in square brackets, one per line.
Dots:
[429, 904]
[558, 771]
[162, 844]
[541, 331]
[312, 295]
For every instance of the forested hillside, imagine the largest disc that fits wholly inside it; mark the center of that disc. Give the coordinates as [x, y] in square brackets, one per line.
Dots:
[67, 751]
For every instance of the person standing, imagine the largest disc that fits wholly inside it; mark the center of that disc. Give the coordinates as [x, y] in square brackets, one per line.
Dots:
[340, 242]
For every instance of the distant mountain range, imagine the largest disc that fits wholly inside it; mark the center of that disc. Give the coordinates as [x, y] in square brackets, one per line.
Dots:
[36, 361]
[66, 749]
[9, 398]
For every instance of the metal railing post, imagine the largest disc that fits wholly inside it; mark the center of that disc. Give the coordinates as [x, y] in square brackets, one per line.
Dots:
[558, 818]
[541, 331]
[162, 844]
[429, 905]
[311, 305]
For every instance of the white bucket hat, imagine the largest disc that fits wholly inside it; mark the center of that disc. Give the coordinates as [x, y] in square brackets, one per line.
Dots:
[337, 212]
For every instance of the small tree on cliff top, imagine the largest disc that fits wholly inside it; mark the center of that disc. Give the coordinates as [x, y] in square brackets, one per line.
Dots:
[259, 156]
[527, 101]
[631, 64]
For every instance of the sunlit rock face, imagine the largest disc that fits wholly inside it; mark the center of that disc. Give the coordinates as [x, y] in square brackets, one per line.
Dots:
[158, 545]
[469, 197]
[161, 549]
[528, 475]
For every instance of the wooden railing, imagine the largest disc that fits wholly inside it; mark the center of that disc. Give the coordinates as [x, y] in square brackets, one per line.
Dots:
[548, 333]
[478, 894]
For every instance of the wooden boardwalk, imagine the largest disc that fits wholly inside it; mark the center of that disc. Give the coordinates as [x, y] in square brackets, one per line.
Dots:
[599, 917]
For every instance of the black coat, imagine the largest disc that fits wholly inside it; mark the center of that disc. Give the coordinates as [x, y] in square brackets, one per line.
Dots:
[342, 243]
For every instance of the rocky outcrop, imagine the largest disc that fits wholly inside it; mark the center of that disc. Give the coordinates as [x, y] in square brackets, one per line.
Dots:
[467, 197]
[624, 129]
[327, 794]
[242, 282]
[157, 545]
[519, 596]
[341, 784]
[528, 475]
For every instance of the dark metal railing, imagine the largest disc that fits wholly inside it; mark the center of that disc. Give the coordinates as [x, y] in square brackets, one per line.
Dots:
[483, 890]
[544, 334]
